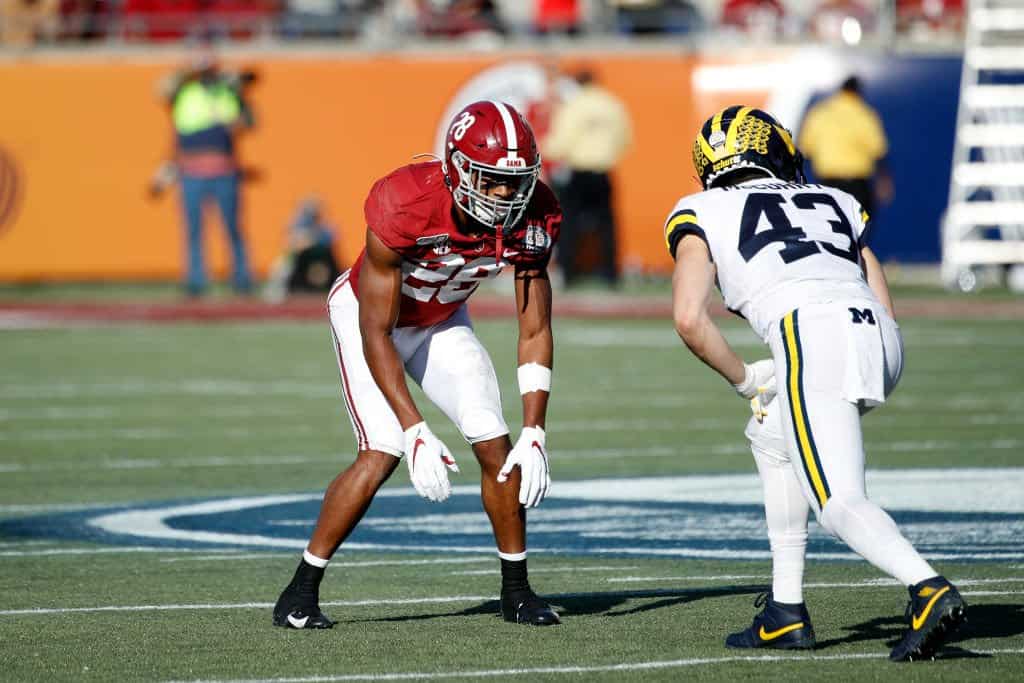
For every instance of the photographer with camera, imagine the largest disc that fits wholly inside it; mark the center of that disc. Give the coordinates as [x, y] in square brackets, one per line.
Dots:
[207, 110]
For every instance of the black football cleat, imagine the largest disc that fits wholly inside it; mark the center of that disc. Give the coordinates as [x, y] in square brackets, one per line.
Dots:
[934, 612]
[296, 610]
[525, 607]
[779, 626]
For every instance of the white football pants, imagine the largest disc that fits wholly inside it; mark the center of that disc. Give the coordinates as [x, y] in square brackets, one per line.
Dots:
[832, 362]
[446, 360]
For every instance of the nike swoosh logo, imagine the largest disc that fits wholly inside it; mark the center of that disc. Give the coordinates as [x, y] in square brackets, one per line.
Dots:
[772, 635]
[297, 623]
[416, 447]
[509, 252]
[918, 621]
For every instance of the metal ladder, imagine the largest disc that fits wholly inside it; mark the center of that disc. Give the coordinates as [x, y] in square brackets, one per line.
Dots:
[983, 228]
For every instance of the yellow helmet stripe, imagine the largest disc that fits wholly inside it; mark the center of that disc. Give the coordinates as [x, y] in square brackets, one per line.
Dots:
[705, 147]
[734, 129]
[716, 122]
[784, 134]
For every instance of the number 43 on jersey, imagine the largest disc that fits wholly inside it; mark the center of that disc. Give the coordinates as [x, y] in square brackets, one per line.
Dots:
[797, 245]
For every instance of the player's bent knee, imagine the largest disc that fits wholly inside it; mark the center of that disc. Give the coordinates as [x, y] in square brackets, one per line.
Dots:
[836, 513]
[380, 462]
[482, 424]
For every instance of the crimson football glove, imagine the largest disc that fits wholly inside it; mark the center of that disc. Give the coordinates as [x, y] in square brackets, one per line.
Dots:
[429, 461]
[532, 459]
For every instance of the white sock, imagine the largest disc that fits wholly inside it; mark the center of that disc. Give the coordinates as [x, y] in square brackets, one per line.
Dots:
[312, 559]
[512, 557]
[872, 534]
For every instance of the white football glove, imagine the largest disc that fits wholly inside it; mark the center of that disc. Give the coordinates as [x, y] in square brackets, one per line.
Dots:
[758, 385]
[429, 461]
[765, 395]
[532, 459]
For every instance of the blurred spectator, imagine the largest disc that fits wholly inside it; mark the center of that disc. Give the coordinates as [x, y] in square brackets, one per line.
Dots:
[926, 18]
[589, 134]
[539, 113]
[308, 264]
[23, 23]
[172, 20]
[459, 18]
[208, 111]
[763, 19]
[844, 140]
[85, 19]
[325, 18]
[656, 16]
[239, 19]
[160, 20]
[557, 16]
[841, 21]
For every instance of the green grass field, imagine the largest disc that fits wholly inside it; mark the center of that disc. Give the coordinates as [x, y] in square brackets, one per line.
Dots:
[98, 417]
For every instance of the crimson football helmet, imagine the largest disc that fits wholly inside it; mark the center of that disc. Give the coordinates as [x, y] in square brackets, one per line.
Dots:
[490, 143]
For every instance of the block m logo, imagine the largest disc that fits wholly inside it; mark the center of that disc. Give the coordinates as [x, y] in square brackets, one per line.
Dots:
[862, 315]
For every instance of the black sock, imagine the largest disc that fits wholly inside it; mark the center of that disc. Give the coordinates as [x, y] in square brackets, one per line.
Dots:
[307, 579]
[513, 576]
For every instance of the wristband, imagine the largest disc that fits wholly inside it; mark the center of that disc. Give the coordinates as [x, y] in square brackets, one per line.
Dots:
[533, 377]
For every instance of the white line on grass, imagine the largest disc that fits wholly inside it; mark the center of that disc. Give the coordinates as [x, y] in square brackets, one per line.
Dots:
[336, 564]
[864, 583]
[644, 594]
[545, 570]
[601, 668]
[49, 552]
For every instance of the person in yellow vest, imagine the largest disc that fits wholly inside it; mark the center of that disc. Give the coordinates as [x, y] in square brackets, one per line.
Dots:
[844, 140]
[208, 111]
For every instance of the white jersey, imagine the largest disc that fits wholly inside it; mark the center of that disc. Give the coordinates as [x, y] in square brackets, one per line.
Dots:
[777, 245]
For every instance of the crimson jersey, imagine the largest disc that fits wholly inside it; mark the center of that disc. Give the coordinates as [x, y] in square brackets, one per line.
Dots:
[410, 211]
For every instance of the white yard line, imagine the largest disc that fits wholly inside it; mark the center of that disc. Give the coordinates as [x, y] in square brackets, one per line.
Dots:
[575, 670]
[51, 552]
[545, 570]
[865, 583]
[336, 564]
[653, 593]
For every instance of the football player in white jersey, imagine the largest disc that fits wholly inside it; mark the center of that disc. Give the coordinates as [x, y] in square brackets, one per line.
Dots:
[790, 258]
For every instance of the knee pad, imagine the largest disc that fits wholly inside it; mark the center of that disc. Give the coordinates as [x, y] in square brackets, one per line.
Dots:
[835, 515]
[482, 424]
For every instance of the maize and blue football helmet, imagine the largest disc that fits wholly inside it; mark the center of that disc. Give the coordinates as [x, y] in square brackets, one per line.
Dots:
[743, 138]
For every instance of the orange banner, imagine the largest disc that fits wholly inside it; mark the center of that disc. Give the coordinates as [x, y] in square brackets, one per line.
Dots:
[79, 142]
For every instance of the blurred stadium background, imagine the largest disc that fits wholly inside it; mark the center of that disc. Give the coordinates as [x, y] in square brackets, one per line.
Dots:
[124, 400]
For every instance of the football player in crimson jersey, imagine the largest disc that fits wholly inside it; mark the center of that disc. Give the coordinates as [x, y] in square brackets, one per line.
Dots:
[435, 231]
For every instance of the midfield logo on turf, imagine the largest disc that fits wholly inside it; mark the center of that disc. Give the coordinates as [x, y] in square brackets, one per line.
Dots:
[979, 517]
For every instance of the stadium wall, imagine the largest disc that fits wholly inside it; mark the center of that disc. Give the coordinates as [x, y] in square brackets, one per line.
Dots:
[80, 137]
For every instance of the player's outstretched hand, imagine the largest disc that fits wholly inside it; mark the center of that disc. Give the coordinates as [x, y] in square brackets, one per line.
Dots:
[429, 461]
[532, 459]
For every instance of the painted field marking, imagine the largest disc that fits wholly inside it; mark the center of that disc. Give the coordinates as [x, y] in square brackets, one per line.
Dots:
[602, 668]
[864, 583]
[57, 552]
[554, 597]
[545, 570]
[338, 564]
